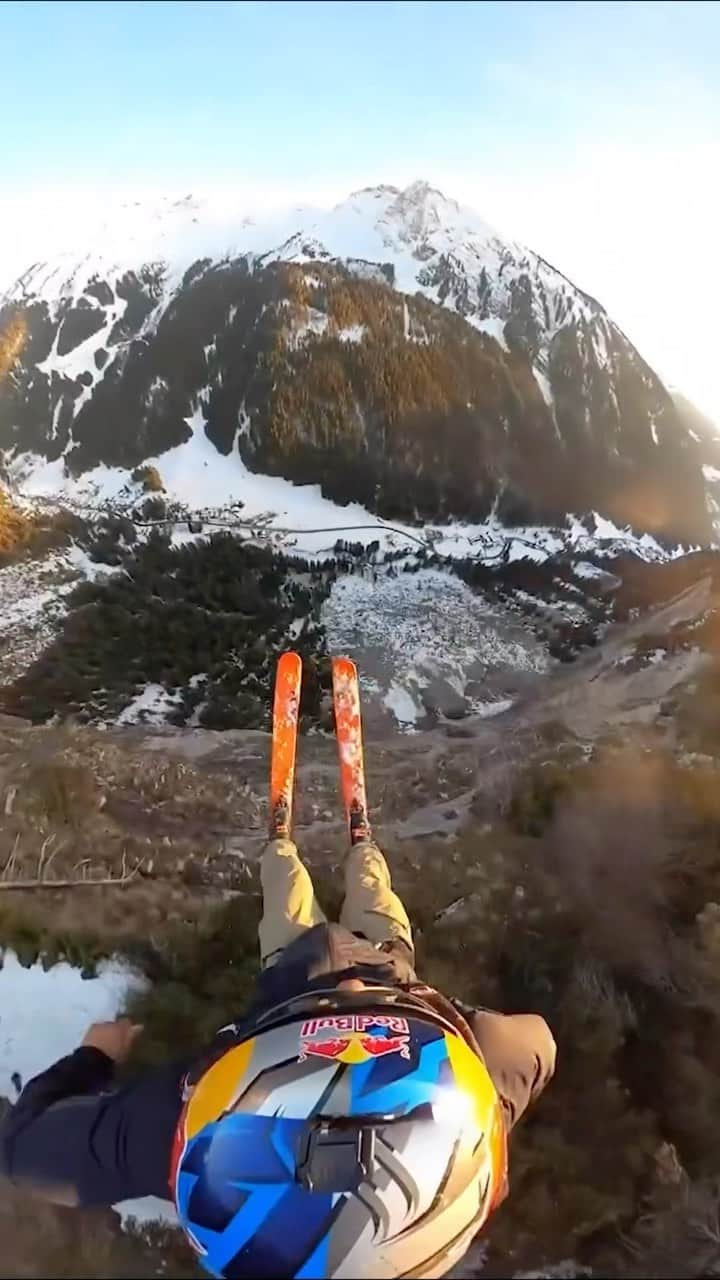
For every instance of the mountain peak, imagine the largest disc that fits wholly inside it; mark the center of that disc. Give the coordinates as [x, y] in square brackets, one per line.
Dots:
[420, 206]
[381, 189]
[423, 209]
[420, 191]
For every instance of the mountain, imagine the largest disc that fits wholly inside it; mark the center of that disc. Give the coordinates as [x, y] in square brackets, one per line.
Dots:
[700, 427]
[395, 350]
[704, 435]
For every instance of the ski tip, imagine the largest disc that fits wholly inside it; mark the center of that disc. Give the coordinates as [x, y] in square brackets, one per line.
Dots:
[344, 667]
[289, 660]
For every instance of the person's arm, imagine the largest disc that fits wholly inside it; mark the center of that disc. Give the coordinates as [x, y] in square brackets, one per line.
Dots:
[50, 1140]
[519, 1052]
[87, 1070]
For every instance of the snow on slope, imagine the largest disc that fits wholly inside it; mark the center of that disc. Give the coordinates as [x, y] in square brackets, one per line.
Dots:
[298, 516]
[152, 706]
[33, 603]
[415, 230]
[427, 242]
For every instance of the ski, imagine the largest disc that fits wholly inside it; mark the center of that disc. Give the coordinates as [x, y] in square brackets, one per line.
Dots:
[348, 728]
[286, 705]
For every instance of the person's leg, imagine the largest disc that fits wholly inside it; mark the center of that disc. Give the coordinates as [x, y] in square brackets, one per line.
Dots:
[519, 1053]
[370, 907]
[289, 902]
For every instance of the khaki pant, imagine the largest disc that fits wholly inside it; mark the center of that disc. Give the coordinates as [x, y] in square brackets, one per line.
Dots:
[290, 906]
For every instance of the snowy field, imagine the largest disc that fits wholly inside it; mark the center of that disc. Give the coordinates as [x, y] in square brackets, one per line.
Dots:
[33, 597]
[298, 518]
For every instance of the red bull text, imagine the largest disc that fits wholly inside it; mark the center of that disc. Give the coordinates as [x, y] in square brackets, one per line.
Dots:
[357, 1038]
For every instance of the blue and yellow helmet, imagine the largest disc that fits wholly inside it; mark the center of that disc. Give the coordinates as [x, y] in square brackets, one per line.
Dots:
[359, 1143]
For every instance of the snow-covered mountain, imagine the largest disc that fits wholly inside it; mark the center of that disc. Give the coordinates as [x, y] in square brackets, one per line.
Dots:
[395, 350]
[704, 435]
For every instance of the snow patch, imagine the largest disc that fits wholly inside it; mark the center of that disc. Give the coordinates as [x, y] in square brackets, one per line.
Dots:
[55, 418]
[315, 324]
[545, 389]
[584, 569]
[45, 1014]
[33, 597]
[81, 359]
[151, 706]
[36, 477]
[402, 705]
[711, 474]
[486, 710]
[28, 607]
[353, 333]
[78, 559]
[494, 326]
[606, 531]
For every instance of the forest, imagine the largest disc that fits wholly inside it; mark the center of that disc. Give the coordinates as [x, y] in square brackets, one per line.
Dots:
[205, 621]
[327, 375]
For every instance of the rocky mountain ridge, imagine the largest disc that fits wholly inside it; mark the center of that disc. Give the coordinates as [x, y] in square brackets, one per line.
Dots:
[395, 350]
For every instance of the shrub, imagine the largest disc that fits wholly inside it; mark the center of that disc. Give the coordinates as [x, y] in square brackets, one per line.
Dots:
[150, 479]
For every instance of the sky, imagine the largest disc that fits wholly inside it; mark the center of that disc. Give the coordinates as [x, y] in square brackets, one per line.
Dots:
[589, 131]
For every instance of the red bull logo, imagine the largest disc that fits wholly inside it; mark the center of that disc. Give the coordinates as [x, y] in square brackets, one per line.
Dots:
[357, 1038]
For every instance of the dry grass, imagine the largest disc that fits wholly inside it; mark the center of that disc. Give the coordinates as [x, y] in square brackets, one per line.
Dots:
[41, 1240]
[579, 901]
[77, 805]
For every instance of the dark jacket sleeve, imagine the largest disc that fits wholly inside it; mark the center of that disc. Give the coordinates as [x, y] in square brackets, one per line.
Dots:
[519, 1052]
[72, 1143]
[87, 1070]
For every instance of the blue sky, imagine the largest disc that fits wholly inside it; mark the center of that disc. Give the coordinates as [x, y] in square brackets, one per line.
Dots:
[188, 91]
[589, 130]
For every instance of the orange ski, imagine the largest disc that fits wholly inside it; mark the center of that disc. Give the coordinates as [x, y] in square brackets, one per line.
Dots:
[286, 705]
[348, 728]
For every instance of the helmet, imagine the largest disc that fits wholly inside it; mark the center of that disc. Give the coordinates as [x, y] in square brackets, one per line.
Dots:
[351, 1141]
